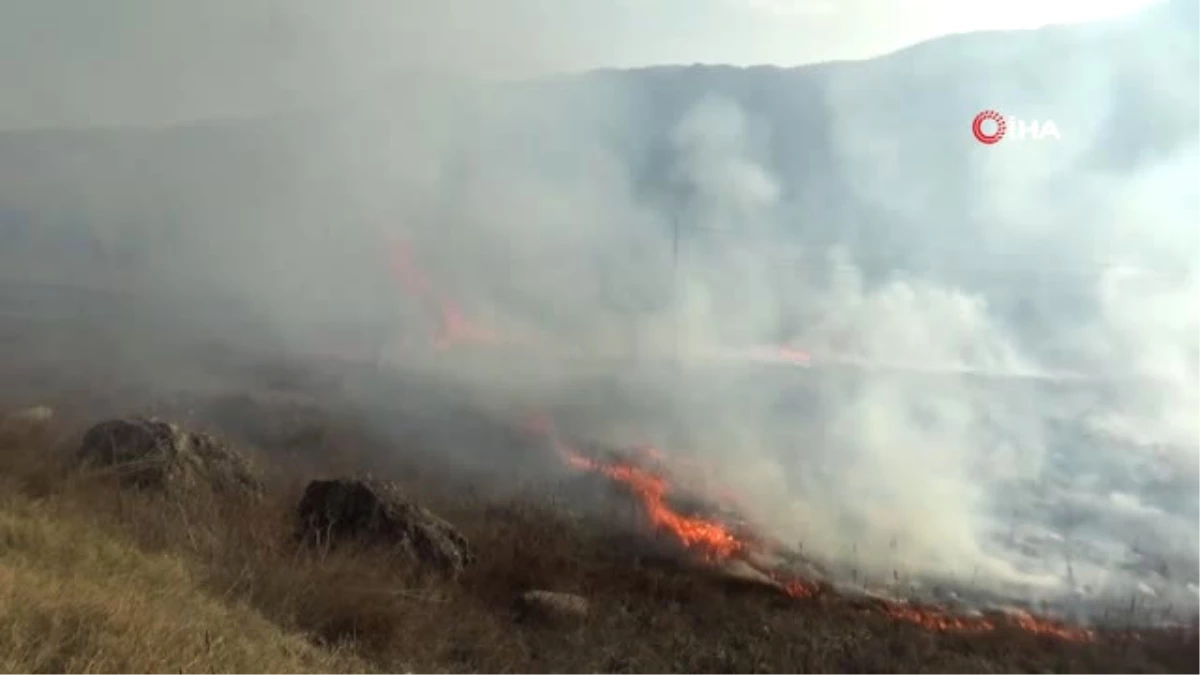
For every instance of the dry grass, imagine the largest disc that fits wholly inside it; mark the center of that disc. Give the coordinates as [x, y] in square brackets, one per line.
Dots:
[99, 580]
[77, 599]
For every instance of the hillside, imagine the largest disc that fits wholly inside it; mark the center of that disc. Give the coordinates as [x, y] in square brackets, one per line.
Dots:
[101, 577]
[873, 155]
[944, 394]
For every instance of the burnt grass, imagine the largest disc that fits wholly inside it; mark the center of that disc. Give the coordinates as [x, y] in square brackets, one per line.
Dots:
[650, 612]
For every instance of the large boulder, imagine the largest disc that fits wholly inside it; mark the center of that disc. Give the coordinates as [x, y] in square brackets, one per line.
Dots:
[153, 454]
[375, 512]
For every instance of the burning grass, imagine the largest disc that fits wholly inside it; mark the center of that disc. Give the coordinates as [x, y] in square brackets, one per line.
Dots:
[714, 541]
[363, 609]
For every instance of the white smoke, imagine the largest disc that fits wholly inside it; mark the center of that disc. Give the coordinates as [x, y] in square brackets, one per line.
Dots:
[600, 231]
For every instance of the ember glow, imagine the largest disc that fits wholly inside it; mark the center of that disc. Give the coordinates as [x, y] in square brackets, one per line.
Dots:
[715, 542]
[940, 619]
[1041, 626]
[457, 329]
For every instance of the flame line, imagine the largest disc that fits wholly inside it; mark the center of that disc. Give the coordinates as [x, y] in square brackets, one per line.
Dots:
[714, 542]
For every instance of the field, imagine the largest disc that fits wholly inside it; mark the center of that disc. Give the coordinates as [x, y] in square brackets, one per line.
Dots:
[99, 579]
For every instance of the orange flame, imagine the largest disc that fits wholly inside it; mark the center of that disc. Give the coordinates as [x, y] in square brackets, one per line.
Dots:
[453, 326]
[1041, 626]
[940, 619]
[457, 329]
[715, 542]
[710, 539]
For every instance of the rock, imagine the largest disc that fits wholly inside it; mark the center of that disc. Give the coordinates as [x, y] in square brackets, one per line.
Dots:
[551, 607]
[154, 454]
[375, 512]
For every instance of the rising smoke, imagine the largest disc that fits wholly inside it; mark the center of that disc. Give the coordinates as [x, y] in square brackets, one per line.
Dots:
[1004, 391]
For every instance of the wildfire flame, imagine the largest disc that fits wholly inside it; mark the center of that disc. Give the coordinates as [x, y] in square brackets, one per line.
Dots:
[712, 540]
[715, 542]
[940, 619]
[453, 326]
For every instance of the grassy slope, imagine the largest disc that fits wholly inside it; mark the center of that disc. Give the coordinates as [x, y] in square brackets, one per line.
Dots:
[95, 580]
[77, 599]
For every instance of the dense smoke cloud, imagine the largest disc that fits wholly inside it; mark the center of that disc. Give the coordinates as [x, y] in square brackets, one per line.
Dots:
[1065, 284]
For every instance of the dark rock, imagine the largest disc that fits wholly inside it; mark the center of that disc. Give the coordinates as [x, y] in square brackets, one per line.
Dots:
[154, 454]
[375, 512]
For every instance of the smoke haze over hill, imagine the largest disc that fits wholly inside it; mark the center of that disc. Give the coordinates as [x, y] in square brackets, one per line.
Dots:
[629, 216]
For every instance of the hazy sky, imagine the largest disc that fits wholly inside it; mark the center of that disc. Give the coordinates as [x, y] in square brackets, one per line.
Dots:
[93, 62]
